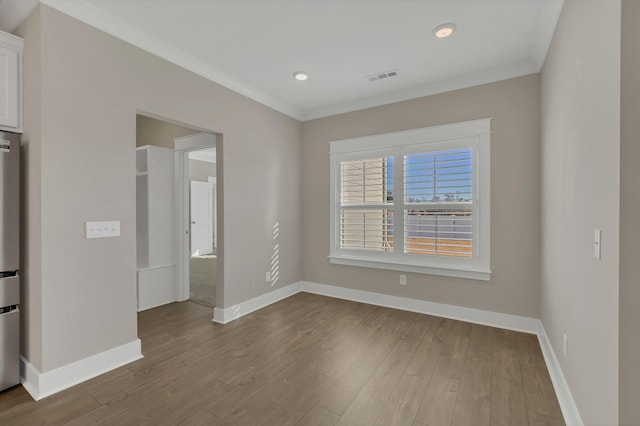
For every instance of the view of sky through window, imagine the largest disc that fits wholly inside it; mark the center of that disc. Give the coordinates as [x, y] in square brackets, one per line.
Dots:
[435, 176]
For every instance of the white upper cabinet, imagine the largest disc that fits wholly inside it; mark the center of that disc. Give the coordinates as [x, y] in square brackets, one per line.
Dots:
[10, 82]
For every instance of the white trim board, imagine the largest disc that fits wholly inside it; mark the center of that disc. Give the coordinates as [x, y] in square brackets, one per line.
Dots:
[40, 385]
[563, 391]
[476, 316]
[226, 315]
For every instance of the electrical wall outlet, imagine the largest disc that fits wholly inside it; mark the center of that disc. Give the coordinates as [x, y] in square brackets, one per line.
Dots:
[565, 344]
[403, 279]
[268, 276]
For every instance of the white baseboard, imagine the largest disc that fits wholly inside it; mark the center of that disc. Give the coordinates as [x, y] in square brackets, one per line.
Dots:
[40, 385]
[494, 319]
[563, 391]
[477, 316]
[223, 316]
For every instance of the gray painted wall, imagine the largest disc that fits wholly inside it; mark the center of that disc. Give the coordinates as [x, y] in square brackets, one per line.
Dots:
[92, 86]
[629, 387]
[580, 192]
[201, 170]
[31, 202]
[515, 195]
[150, 131]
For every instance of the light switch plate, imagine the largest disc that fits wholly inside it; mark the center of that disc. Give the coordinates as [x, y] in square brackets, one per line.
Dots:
[597, 244]
[102, 229]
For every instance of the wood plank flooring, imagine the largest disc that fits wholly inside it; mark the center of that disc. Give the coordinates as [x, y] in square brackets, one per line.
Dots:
[309, 360]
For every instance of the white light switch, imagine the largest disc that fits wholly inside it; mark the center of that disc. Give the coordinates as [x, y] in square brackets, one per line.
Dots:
[102, 229]
[597, 244]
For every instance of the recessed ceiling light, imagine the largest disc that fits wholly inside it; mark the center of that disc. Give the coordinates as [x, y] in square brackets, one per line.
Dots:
[300, 75]
[444, 30]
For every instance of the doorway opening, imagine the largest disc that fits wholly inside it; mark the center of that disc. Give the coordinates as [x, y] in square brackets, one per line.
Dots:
[197, 195]
[176, 184]
[203, 219]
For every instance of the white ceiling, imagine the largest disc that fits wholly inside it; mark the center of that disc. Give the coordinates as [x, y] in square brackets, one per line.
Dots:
[254, 46]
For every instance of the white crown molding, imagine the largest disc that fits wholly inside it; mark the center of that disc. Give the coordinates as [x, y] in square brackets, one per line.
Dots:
[40, 385]
[520, 69]
[118, 28]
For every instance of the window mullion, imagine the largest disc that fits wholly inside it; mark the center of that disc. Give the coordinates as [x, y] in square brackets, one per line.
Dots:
[476, 208]
[398, 204]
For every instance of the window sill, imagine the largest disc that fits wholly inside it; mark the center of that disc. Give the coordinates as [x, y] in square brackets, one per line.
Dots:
[447, 271]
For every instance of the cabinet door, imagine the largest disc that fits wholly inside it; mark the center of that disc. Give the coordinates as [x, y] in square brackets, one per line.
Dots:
[9, 88]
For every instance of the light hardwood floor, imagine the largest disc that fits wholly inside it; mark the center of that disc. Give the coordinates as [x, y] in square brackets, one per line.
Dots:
[309, 360]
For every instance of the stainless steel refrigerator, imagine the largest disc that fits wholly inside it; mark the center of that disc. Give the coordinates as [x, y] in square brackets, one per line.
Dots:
[9, 260]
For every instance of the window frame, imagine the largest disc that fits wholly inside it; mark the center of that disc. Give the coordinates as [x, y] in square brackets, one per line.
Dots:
[475, 134]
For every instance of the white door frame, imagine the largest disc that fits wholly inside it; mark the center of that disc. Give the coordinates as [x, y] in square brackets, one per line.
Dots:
[183, 146]
[205, 190]
[214, 225]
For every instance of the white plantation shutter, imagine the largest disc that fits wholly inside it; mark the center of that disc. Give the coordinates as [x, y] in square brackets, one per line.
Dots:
[440, 176]
[367, 229]
[439, 203]
[365, 219]
[411, 201]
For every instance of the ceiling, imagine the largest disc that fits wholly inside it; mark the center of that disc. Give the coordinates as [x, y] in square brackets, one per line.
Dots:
[13, 12]
[254, 46]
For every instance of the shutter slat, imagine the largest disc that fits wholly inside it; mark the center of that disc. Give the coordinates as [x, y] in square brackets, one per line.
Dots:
[435, 180]
[366, 229]
[364, 181]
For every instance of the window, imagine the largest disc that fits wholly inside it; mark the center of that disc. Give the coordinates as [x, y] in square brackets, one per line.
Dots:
[416, 201]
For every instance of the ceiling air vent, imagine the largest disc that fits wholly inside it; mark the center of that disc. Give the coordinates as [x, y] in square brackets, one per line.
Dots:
[382, 75]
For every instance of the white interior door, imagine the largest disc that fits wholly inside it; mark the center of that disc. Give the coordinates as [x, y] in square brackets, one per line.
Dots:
[201, 218]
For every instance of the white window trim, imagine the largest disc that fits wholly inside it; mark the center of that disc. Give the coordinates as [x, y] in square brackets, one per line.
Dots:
[476, 133]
